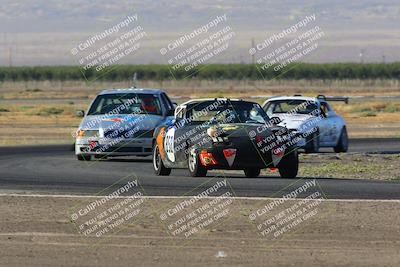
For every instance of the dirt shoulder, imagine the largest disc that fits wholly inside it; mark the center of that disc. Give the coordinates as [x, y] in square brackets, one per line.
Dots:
[351, 166]
[37, 231]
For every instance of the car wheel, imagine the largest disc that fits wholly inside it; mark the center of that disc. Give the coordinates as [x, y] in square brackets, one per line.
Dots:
[84, 157]
[289, 165]
[194, 166]
[252, 172]
[158, 164]
[343, 143]
[312, 143]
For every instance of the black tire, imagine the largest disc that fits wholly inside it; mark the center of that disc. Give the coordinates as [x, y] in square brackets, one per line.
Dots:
[84, 157]
[194, 166]
[158, 164]
[312, 143]
[289, 165]
[343, 143]
[252, 173]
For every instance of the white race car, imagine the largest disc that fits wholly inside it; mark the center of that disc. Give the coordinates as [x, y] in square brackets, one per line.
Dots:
[311, 120]
[121, 122]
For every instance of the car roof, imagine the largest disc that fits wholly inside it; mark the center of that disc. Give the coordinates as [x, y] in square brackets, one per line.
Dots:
[194, 101]
[293, 98]
[131, 90]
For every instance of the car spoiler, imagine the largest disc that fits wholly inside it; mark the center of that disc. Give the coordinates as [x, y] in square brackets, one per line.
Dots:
[344, 99]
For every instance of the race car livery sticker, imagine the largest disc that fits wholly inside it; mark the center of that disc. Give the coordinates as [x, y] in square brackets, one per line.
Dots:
[113, 119]
[229, 128]
[169, 144]
[160, 143]
[277, 155]
[230, 155]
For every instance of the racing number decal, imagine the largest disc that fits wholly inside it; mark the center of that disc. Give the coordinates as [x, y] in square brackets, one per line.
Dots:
[169, 144]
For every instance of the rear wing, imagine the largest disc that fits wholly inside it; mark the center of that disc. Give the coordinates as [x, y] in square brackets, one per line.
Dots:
[344, 99]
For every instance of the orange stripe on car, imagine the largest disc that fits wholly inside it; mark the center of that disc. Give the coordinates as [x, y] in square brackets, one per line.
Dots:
[160, 143]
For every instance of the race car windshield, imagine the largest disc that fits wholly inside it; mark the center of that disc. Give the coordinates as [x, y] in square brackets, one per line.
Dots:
[227, 112]
[126, 104]
[291, 106]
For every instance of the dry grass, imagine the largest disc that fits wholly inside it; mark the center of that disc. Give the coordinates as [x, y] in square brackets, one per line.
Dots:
[30, 113]
[38, 124]
[196, 88]
[350, 166]
[371, 119]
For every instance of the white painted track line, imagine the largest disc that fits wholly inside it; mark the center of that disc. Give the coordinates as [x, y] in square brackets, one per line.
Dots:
[209, 197]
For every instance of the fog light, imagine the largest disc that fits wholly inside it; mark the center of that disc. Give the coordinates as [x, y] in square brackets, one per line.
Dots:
[207, 158]
[212, 132]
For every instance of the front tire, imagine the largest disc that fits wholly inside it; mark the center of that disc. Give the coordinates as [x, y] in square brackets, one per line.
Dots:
[194, 166]
[343, 143]
[158, 164]
[289, 165]
[252, 173]
[312, 143]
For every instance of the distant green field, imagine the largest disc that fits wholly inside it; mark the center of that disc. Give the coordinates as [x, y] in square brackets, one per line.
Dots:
[212, 72]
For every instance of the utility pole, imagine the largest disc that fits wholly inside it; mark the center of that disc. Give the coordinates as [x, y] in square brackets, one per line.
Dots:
[253, 61]
[362, 56]
[134, 79]
[10, 56]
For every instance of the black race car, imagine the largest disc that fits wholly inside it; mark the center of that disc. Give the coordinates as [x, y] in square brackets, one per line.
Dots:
[223, 133]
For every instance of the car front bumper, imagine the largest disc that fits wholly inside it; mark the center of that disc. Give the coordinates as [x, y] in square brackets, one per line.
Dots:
[244, 158]
[114, 147]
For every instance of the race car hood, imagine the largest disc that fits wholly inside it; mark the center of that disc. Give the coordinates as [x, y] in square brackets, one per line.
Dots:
[112, 122]
[246, 129]
[293, 121]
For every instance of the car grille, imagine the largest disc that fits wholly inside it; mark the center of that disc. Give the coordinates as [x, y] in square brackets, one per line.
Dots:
[129, 134]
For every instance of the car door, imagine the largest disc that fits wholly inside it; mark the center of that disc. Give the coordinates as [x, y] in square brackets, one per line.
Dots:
[329, 125]
[175, 139]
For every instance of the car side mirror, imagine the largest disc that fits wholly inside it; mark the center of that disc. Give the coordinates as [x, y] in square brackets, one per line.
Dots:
[80, 113]
[323, 114]
[174, 104]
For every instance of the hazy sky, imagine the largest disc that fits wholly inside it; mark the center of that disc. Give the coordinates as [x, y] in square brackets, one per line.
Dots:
[44, 32]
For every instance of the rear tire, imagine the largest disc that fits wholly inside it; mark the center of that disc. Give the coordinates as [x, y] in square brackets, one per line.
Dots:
[194, 166]
[252, 173]
[84, 157]
[312, 143]
[289, 165]
[343, 143]
[158, 164]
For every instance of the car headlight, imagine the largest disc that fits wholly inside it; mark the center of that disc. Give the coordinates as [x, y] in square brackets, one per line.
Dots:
[87, 133]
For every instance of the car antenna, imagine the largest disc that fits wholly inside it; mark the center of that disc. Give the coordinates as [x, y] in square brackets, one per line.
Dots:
[134, 79]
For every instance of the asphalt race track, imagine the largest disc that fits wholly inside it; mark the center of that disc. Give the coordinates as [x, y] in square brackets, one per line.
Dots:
[55, 170]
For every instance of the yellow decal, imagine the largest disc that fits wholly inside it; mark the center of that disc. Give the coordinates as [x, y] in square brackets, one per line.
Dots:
[230, 128]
